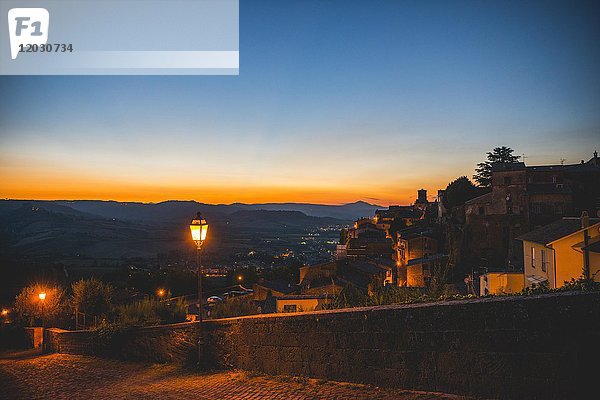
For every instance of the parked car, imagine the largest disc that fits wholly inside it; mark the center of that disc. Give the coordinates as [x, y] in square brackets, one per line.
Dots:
[213, 299]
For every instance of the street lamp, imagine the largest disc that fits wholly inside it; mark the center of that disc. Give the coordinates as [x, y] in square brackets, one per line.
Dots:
[42, 296]
[199, 229]
[160, 293]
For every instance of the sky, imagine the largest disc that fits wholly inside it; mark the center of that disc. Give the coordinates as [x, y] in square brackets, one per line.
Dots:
[336, 101]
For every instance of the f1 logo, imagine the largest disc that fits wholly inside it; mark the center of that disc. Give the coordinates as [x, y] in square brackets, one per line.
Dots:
[27, 26]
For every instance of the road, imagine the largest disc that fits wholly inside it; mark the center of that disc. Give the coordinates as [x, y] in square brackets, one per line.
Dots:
[29, 375]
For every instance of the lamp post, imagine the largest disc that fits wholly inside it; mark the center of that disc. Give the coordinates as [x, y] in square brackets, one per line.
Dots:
[198, 229]
[42, 296]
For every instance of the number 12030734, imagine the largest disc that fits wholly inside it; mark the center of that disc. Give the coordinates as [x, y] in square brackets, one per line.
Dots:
[46, 48]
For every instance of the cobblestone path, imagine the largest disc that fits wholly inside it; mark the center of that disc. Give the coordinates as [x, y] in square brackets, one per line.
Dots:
[27, 375]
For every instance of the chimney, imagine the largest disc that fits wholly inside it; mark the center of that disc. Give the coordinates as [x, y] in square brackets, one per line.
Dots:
[585, 223]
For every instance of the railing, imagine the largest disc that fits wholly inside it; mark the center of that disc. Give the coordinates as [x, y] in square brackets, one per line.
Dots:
[84, 321]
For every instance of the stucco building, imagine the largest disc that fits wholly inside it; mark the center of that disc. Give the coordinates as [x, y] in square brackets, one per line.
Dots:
[523, 198]
[563, 250]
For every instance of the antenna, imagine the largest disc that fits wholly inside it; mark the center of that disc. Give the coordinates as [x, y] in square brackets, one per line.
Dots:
[562, 161]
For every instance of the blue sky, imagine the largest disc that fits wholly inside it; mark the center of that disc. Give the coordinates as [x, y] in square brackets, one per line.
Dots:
[336, 101]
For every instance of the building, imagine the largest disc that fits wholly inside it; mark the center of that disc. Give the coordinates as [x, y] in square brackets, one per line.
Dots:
[523, 198]
[501, 282]
[365, 240]
[302, 303]
[416, 251]
[419, 271]
[563, 250]
[264, 289]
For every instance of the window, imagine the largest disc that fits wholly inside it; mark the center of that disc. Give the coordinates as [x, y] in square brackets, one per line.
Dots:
[554, 179]
[537, 208]
[481, 210]
[533, 257]
[508, 180]
[289, 308]
[559, 209]
[509, 209]
[543, 254]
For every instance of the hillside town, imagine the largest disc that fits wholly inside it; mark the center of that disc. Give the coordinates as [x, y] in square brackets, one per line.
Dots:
[535, 225]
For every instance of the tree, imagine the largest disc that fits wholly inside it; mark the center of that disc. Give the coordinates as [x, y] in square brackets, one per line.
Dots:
[350, 296]
[483, 174]
[92, 296]
[29, 306]
[459, 191]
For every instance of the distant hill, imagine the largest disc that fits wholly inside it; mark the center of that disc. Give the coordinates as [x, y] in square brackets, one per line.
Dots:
[351, 211]
[276, 220]
[102, 230]
[179, 211]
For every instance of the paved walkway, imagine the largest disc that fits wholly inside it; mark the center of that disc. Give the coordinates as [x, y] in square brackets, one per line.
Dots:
[28, 375]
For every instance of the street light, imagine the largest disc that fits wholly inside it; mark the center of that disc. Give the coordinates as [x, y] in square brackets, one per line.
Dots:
[199, 229]
[42, 296]
[160, 293]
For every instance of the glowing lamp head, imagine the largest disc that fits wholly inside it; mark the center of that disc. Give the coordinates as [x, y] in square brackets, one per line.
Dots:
[42, 296]
[240, 278]
[5, 312]
[161, 292]
[198, 228]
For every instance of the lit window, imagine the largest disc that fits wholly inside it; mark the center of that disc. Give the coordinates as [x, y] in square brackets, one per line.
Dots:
[533, 257]
[543, 253]
[289, 308]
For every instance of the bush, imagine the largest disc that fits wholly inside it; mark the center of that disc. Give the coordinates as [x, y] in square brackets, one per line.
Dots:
[235, 307]
[92, 296]
[394, 295]
[350, 296]
[151, 312]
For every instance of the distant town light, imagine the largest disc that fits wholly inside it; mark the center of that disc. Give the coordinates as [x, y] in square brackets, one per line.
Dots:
[240, 278]
[4, 312]
[160, 292]
[42, 295]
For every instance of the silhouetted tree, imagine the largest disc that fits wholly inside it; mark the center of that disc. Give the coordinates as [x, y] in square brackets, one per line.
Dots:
[29, 306]
[459, 191]
[502, 154]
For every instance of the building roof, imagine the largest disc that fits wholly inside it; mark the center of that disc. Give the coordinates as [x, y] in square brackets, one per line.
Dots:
[416, 233]
[554, 231]
[433, 257]
[516, 166]
[368, 267]
[303, 296]
[594, 247]
[483, 199]
[278, 285]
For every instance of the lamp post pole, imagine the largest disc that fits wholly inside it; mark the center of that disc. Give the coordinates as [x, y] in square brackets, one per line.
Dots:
[200, 327]
[42, 297]
[199, 229]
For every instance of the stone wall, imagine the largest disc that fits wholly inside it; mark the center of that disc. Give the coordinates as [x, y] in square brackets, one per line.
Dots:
[512, 347]
[176, 343]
